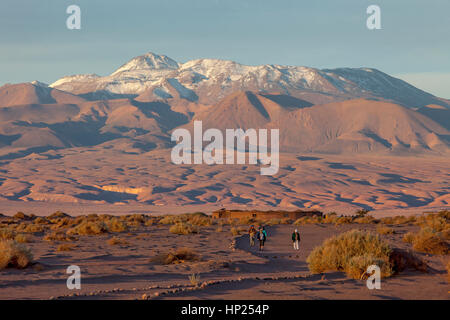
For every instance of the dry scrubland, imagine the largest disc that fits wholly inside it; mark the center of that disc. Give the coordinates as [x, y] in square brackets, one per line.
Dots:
[353, 242]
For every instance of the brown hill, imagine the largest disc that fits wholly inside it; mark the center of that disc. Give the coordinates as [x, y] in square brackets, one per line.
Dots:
[356, 126]
[29, 93]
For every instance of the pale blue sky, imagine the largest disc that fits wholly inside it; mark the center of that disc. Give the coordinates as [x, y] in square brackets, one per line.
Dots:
[414, 42]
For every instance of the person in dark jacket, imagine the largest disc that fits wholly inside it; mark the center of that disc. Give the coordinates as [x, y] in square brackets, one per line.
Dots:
[296, 239]
[261, 236]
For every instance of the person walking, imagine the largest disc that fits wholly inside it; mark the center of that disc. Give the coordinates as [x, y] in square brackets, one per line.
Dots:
[296, 239]
[262, 236]
[251, 234]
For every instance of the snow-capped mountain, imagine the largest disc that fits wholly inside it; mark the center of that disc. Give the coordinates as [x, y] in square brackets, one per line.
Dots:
[206, 81]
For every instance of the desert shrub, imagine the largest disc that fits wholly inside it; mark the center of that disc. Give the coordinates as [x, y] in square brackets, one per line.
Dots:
[247, 220]
[149, 222]
[7, 234]
[115, 225]
[362, 212]
[385, 230]
[172, 219]
[344, 220]
[357, 266]
[183, 228]
[330, 218]
[365, 220]
[199, 220]
[444, 214]
[65, 247]
[22, 238]
[408, 237]
[30, 228]
[88, 228]
[194, 279]
[178, 256]
[275, 221]
[398, 220]
[62, 223]
[308, 220]
[428, 241]
[219, 229]
[14, 255]
[41, 220]
[58, 214]
[117, 241]
[137, 217]
[21, 216]
[434, 222]
[59, 236]
[349, 252]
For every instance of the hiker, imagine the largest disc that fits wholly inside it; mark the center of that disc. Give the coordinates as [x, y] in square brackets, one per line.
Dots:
[251, 234]
[296, 239]
[262, 236]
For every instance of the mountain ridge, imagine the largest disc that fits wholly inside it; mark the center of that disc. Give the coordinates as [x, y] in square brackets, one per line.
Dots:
[209, 80]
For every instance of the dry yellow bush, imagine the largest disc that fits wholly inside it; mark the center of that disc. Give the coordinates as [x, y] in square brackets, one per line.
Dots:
[65, 247]
[200, 220]
[428, 241]
[308, 220]
[344, 220]
[183, 228]
[172, 219]
[59, 236]
[408, 237]
[58, 214]
[7, 234]
[21, 216]
[22, 238]
[385, 230]
[398, 220]
[41, 220]
[117, 241]
[365, 220]
[115, 225]
[30, 228]
[14, 255]
[88, 228]
[351, 252]
[174, 257]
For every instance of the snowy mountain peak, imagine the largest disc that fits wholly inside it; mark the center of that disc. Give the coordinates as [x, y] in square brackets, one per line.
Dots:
[207, 81]
[148, 61]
